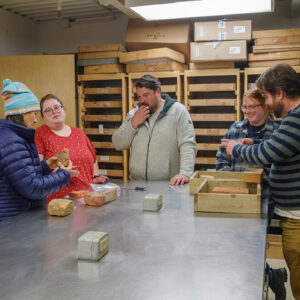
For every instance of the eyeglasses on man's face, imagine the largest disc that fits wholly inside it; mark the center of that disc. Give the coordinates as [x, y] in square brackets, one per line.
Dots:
[249, 107]
[50, 111]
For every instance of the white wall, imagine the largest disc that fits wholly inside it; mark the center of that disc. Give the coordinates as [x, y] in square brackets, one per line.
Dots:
[18, 35]
[56, 37]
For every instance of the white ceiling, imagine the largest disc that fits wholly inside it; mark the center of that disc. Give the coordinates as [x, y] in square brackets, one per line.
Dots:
[71, 10]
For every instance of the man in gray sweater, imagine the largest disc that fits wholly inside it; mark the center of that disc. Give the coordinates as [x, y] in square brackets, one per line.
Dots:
[161, 135]
[281, 88]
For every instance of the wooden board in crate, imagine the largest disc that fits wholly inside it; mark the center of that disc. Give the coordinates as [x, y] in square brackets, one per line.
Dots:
[199, 176]
[205, 200]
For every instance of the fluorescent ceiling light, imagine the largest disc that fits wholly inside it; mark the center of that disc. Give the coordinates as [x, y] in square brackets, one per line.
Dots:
[203, 8]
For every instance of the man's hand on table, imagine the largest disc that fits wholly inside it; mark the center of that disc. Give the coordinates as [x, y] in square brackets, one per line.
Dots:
[179, 180]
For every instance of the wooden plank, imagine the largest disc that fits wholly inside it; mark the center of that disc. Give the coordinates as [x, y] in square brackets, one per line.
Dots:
[127, 57]
[211, 65]
[112, 173]
[93, 77]
[209, 87]
[276, 48]
[212, 102]
[156, 67]
[111, 68]
[103, 104]
[104, 145]
[212, 117]
[172, 88]
[206, 160]
[106, 47]
[274, 55]
[211, 147]
[109, 158]
[95, 131]
[230, 190]
[277, 40]
[102, 118]
[271, 63]
[210, 132]
[104, 54]
[275, 33]
[106, 90]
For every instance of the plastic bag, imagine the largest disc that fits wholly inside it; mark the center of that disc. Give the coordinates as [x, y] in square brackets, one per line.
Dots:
[109, 185]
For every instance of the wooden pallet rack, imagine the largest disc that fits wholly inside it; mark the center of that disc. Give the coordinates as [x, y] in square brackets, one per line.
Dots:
[213, 100]
[170, 84]
[251, 74]
[102, 100]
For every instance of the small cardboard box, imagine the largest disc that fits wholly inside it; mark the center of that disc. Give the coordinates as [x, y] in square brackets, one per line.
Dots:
[205, 200]
[222, 30]
[219, 51]
[142, 35]
[274, 246]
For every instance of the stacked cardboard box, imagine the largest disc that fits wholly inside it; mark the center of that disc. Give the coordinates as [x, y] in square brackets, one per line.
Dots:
[275, 46]
[101, 59]
[156, 46]
[220, 43]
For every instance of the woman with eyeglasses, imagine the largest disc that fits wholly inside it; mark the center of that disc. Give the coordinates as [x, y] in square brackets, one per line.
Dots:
[55, 135]
[258, 125]
[25, 181]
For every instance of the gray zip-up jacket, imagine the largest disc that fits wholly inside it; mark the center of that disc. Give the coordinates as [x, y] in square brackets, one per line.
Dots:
[169, 149]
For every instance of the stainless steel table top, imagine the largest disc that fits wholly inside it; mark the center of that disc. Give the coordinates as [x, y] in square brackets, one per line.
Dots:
[170, 254]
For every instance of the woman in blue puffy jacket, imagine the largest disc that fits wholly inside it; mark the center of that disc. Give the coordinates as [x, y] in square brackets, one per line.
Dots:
[25, 181]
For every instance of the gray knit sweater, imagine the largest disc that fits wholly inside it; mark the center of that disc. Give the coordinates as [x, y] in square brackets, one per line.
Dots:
[169, 148]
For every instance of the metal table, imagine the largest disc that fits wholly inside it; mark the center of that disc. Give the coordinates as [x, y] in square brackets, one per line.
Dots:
[172, 254]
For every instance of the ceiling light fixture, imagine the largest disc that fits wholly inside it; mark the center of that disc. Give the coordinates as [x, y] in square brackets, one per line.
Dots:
[166, 9]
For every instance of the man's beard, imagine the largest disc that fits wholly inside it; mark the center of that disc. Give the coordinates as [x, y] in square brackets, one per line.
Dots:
[278, 109]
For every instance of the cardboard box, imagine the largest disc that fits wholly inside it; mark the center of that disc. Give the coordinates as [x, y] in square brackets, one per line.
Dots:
[222, 30]
[142, 35]
[219, 51]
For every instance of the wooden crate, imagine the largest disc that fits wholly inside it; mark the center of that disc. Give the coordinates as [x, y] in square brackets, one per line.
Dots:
[207, 201]
[170, 84]
[274, 246]
[199, 176]
[213, 100]
[150, 54]
[103, 107]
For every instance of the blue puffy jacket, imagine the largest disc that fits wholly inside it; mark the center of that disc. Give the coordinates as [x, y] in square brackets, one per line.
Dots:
[25, 181]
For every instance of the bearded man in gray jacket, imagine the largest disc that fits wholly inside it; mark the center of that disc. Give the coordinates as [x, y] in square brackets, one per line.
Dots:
[161, 136]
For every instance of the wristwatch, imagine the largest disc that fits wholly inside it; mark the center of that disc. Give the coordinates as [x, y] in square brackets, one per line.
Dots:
[96, 176]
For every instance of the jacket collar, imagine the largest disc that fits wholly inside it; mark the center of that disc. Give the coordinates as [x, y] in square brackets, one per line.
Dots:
[24, 132]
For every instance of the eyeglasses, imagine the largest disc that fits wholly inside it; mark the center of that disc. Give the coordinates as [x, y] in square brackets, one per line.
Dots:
[50, 111]
[249, 108]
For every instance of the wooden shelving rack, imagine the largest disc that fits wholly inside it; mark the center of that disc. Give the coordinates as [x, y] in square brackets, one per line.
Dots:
[170, 84]
[213, 100]
[103, 105]
[251, 74]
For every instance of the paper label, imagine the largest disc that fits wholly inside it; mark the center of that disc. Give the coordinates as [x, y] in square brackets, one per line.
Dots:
[200, 31]
[213, 44]
[101, 128]
[239, 29]
[104, 157]
[103, 172]
[234, 50]
[222, 24]
[222, 35]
